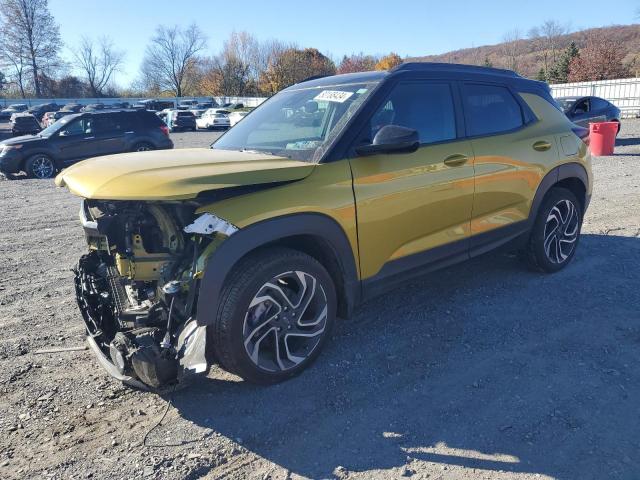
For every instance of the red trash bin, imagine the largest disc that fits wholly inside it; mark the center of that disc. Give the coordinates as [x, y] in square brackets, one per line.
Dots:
[602, 137]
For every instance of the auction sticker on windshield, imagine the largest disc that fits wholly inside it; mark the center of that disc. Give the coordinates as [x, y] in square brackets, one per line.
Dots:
[333, 96]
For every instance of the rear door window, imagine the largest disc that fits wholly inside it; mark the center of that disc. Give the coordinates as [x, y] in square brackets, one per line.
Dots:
[598, 104]
[423, 106]
[490, 109]
[104, 124]
[582, 106]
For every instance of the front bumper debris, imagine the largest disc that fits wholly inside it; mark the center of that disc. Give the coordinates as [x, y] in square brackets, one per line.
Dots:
[111, 368]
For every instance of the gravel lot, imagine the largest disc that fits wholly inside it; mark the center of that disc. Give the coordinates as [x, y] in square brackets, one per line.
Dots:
[483, 370]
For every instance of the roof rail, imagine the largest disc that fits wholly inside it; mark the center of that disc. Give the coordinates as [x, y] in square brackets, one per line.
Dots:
[455, 67]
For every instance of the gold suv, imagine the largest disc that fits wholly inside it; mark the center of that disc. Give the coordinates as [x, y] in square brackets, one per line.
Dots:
[334, 190]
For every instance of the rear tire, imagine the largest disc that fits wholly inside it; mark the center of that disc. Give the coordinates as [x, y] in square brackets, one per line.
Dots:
[275, 315]
[142, 147]
[40, 166]
[556, 232]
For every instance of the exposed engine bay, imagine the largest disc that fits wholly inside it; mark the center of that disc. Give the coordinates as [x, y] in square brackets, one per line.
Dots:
[137, 287]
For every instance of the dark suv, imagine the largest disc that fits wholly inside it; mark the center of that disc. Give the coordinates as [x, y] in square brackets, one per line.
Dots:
[82, 135]
[181, 120]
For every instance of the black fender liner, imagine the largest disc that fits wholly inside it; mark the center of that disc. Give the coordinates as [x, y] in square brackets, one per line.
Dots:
[260, 234]
[561, 172]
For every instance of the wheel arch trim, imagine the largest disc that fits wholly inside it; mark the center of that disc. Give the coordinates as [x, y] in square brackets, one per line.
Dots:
[222, 261]
[562, 172]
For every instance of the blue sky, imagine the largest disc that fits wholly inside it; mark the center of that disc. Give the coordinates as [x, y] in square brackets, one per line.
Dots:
[336, 27]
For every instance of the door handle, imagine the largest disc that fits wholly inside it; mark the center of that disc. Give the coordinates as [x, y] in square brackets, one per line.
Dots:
[456, 160]
[89, 138]
[542, 146]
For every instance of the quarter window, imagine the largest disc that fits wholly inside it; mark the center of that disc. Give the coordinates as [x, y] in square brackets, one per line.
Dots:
[424, 107]
[490, 109]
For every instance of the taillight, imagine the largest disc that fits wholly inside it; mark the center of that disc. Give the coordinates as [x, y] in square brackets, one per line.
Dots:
[582, 133]
[164, 129]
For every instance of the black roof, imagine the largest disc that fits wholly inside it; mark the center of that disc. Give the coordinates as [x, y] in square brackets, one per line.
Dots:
[452, 68]
[431, 69]
[345, 78]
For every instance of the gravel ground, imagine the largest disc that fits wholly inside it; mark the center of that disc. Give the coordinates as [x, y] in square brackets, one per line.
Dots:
[483, 370]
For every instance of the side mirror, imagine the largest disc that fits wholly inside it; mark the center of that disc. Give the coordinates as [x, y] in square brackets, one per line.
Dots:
[392, 139]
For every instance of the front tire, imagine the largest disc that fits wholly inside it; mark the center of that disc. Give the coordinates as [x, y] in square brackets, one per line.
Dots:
[276, 313]
[556, 232]
[40, 166]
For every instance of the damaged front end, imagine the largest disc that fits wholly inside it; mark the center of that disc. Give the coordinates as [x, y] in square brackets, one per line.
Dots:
[137, 287]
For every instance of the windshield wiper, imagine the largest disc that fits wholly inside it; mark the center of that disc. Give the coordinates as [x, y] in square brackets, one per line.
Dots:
[266, 152]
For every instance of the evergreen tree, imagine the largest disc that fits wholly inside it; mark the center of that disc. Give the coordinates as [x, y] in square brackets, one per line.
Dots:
[487, 62]
[542, 75]
[559, 72]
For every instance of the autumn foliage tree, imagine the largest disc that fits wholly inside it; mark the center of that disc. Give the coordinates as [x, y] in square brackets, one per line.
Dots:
[600, 59]
[357, 63]
[292, 66]
[388, 62]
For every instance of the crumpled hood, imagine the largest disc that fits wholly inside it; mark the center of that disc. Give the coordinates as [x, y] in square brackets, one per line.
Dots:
[176, 174]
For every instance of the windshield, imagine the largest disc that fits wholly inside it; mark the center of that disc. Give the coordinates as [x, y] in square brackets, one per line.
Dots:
[299, 124]
[54, 127]
[566, 103]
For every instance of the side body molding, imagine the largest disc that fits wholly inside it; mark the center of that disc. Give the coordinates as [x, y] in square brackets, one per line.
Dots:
[230, 251]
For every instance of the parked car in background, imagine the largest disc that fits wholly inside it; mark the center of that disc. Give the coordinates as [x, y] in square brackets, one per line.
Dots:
[197, 111]
[38, 111]
[118, 105]
[585, 110]
[82, 135]
[153, 105]
[6, 113]
[72, 107]
[187, 104]
[25, 124]
[235, 117]
[47, 119]
[214, 118]
[92, 107]
[206, 105]
[58, 115]
[163, 114]
[181, 120]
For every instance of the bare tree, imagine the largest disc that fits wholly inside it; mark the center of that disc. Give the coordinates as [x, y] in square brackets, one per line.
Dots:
[512, 48]
[98, 61]
[547, 37]
[15, 63]
[31, 38]
[234, 70]
[171, 59]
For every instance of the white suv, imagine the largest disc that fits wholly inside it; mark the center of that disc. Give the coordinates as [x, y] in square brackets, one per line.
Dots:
[214, 118]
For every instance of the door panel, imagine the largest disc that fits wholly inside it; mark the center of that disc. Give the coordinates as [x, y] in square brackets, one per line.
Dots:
[510, 156]
[108, 132]
[70, 143]
[509, 169]
[409, 203]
